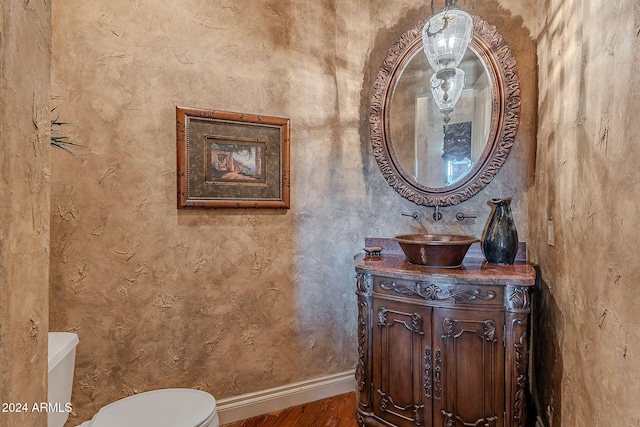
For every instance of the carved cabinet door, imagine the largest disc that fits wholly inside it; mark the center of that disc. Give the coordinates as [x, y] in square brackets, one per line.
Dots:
[401, 337]
[468, 366]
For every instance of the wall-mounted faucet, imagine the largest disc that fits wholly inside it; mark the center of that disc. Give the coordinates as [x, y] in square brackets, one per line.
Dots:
[437, 215]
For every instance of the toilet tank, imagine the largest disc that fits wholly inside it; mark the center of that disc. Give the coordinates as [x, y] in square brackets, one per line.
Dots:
[62, 358]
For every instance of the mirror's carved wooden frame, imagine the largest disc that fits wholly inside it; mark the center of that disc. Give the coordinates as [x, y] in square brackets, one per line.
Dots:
[494, 51]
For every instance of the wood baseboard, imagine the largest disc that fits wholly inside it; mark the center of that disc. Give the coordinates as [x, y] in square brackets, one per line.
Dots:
[275, 399]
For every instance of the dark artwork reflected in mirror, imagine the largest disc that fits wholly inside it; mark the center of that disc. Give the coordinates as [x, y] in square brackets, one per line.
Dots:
[419, 155]
[456, 151]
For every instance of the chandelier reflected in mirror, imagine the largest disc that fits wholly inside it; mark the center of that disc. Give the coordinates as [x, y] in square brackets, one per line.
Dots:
[446, 87]
[445, 38]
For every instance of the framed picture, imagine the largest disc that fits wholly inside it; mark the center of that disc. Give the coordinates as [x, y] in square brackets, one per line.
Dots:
[231, 160]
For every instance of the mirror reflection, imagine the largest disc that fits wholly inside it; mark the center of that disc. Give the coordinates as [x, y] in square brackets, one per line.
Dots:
[436, 153]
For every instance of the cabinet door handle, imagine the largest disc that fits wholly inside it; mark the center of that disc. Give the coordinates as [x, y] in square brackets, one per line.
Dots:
[437, 391]
[427, 372]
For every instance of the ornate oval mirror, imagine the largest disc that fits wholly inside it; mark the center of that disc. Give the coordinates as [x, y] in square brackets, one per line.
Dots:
[431, 159]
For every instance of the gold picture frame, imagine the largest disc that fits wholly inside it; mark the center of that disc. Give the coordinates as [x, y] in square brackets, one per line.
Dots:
[231, 160]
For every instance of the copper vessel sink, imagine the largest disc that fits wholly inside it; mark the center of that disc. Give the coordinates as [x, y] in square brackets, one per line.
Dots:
[435, 250]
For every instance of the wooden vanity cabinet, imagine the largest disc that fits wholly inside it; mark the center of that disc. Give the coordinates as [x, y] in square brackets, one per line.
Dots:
[442, 348]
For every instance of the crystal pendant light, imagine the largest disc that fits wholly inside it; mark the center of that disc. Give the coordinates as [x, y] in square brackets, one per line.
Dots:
[445, 38]
[446, 87]
[446, 35]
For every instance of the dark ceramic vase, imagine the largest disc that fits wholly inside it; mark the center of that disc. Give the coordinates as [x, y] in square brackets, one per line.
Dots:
[500, 239]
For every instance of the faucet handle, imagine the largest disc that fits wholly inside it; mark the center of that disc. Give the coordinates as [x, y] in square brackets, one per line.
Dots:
[415, 215]
[461, 216]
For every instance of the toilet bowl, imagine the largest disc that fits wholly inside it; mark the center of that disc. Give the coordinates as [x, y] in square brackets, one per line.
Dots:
[173, 407]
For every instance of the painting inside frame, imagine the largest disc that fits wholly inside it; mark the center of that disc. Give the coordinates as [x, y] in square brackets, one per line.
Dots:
[231, 160]
[238, 160]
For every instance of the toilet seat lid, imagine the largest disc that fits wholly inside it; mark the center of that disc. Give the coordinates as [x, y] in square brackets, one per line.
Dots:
[174, 407]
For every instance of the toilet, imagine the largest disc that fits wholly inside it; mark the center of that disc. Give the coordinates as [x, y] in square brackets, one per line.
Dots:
[173, 407]
[61, 360]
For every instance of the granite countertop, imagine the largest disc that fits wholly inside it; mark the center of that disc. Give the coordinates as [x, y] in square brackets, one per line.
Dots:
[474, 268]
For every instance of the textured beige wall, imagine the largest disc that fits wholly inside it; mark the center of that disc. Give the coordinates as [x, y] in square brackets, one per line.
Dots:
[25, 43]
[229, 302]
[587, 179]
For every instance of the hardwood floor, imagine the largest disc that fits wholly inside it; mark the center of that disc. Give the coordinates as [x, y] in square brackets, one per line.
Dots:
[337, 411]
